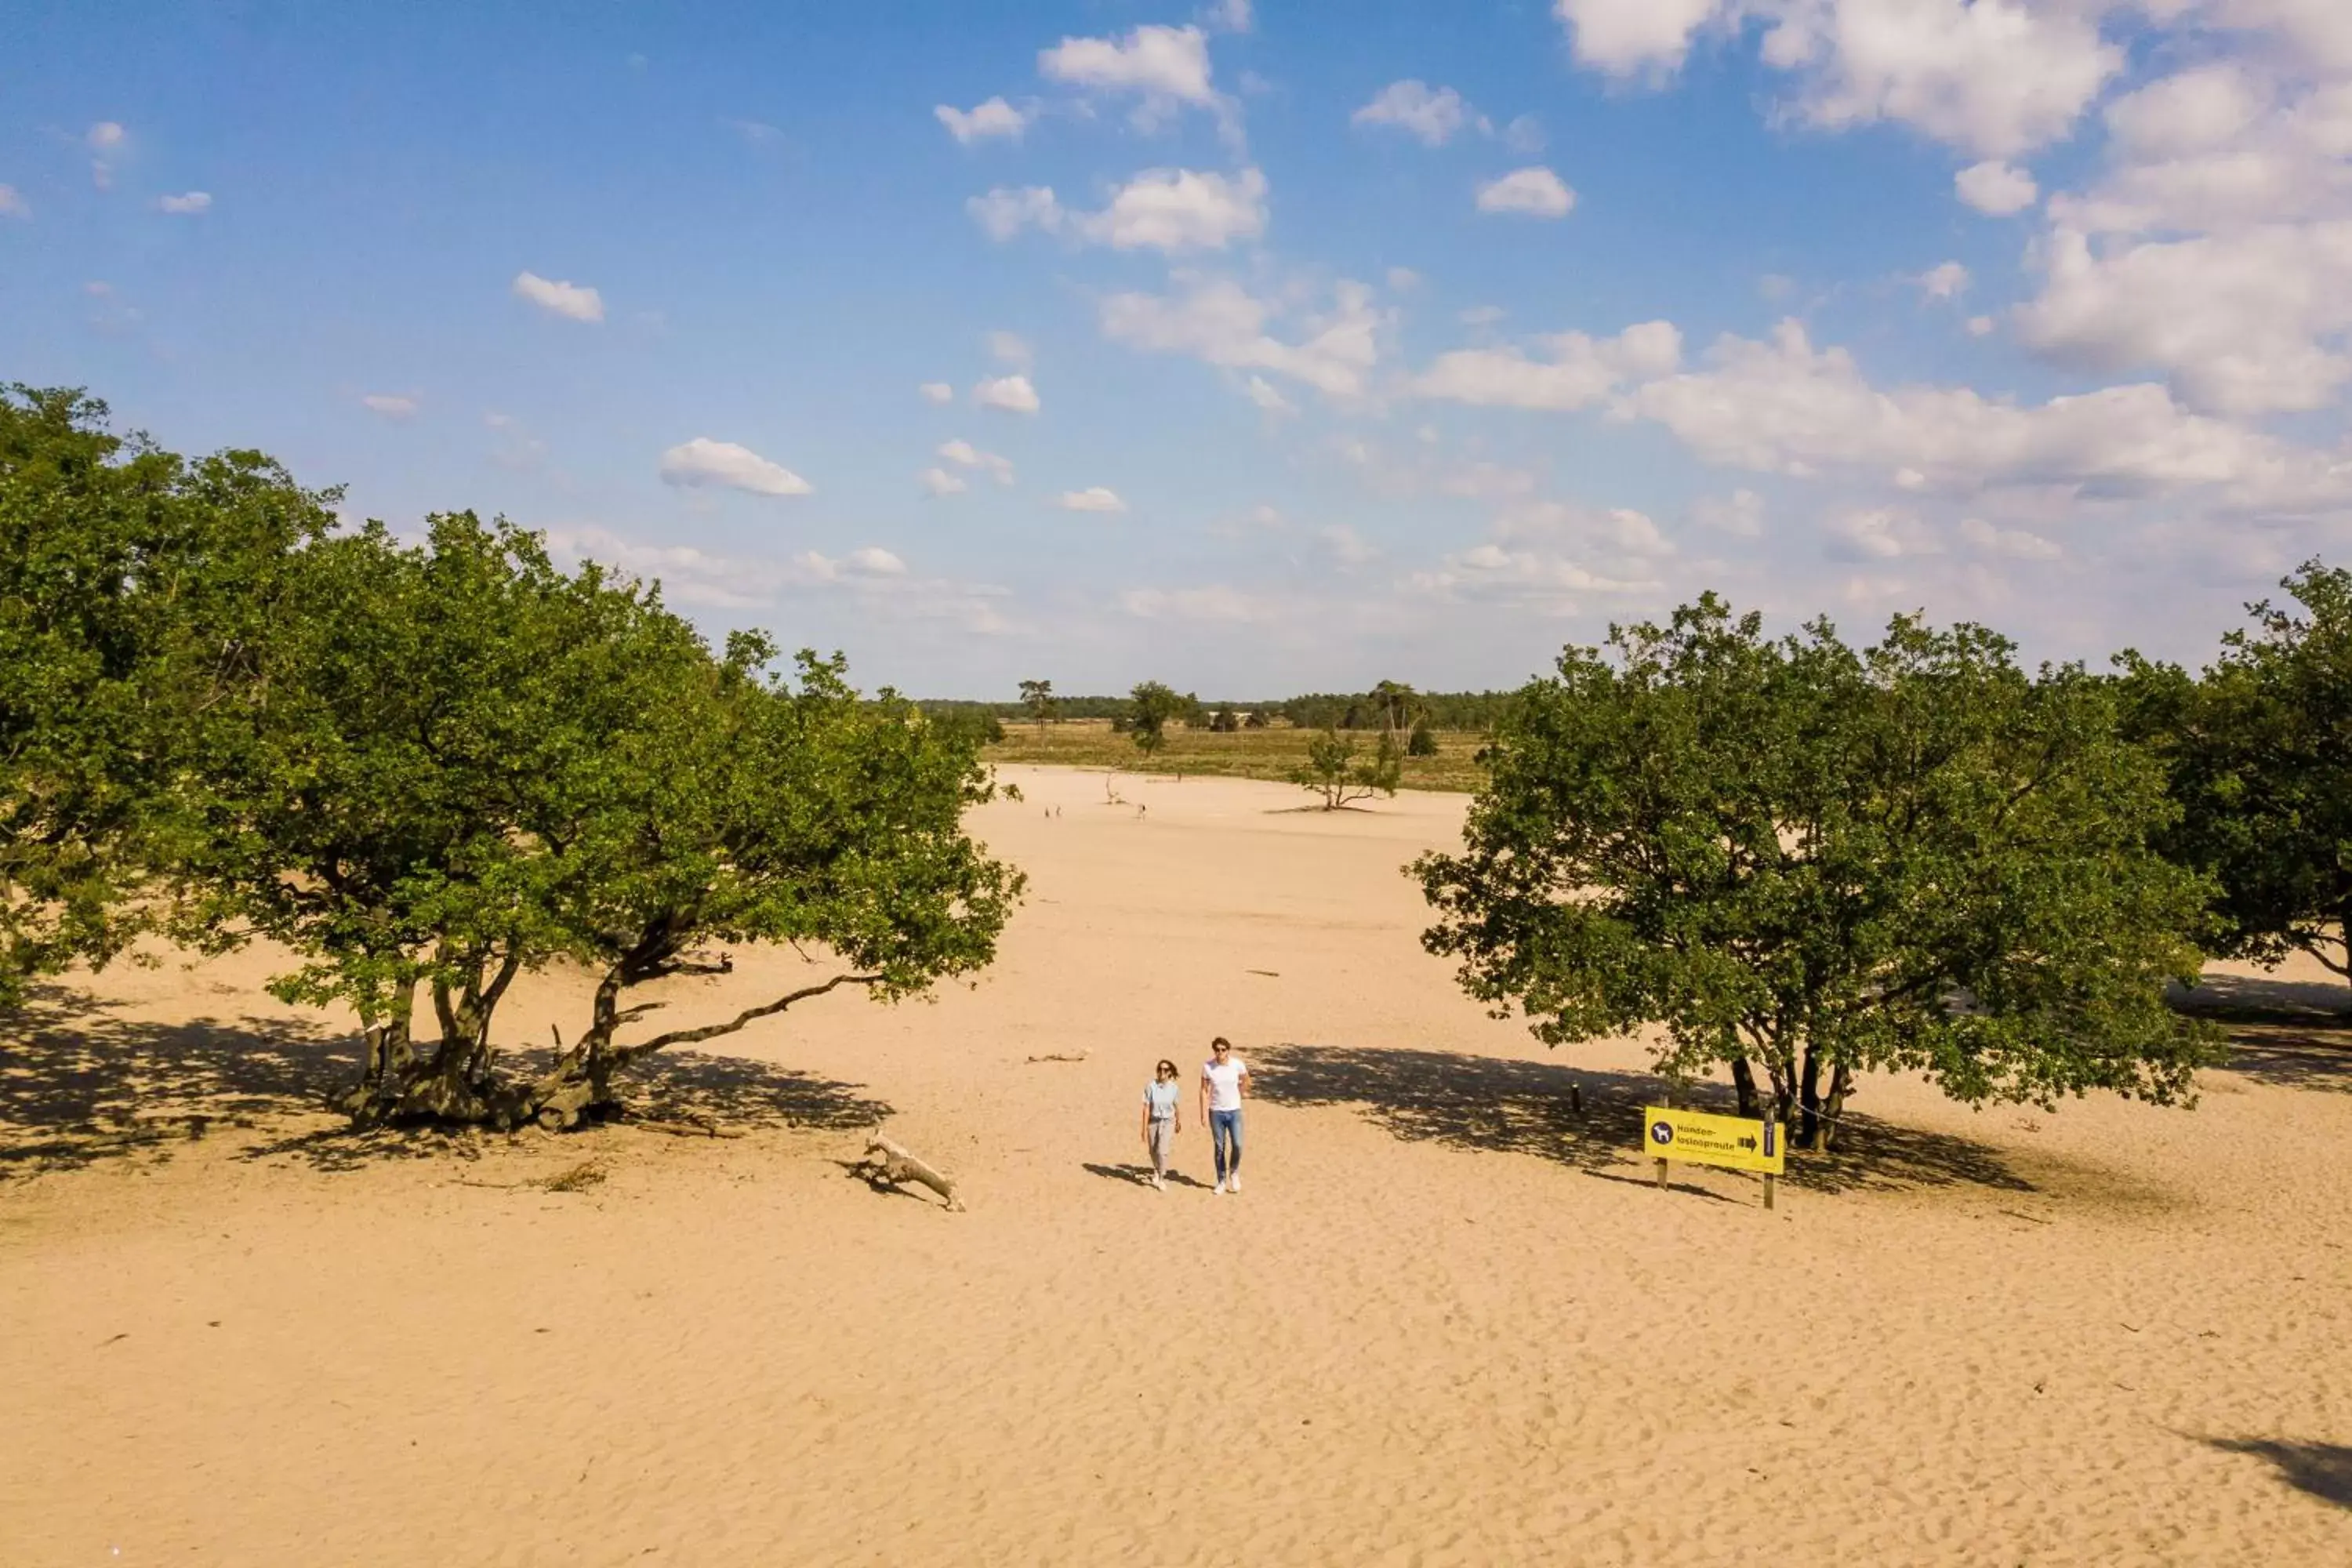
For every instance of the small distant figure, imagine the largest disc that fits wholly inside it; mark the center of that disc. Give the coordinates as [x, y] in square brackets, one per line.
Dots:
[1163, 1119]
[1140, 808]
[1224, 1079]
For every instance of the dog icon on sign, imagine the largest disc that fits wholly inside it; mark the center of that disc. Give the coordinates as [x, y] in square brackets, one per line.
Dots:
[1661, 1133]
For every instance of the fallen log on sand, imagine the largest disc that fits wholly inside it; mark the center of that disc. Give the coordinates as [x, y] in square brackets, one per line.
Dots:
[887, 1164]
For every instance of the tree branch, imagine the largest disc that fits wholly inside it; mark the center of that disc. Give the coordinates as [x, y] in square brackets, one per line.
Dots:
[626, 1053]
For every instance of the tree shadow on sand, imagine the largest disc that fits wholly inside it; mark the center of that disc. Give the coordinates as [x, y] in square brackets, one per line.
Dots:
[2295, 1034]
[2323, 1469]
[78, 1085]
[1530, 1108]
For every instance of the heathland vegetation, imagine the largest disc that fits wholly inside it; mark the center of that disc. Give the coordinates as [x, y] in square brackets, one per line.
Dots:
[422, 767]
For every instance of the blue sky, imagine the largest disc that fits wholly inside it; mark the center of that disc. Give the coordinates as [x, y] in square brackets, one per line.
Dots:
[1254, 348]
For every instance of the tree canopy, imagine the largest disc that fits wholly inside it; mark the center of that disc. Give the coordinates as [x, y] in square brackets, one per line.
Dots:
[2260, 752]
[1828, 862]
[133, 583]
[424, 768]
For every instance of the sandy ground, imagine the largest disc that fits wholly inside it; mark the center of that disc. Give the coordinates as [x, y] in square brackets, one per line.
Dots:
[1450, 1319]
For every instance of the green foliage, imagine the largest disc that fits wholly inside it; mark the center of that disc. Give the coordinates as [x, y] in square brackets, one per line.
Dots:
[464, 763]
[132, 581]
[1151, 707]
[1914, 857]
[2260, 752]
[1226, 722]
[1332, 771]
[1423, 742]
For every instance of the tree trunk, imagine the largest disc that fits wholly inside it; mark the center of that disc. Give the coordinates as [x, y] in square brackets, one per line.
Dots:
[1841, 1086]
[1743, 1078]
[1809, 1101]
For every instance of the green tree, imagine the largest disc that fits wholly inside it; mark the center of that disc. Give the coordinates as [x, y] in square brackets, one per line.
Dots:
[1151, 706]
[131, 583]
[1225, 721]
[2260, 753]
[1911, 858]
[1398, 706]
[1423, 742]
[1037, 696]
[467, 763]
[1333, 771]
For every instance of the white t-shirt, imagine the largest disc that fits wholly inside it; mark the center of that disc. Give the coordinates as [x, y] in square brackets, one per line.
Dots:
[1225, 1082]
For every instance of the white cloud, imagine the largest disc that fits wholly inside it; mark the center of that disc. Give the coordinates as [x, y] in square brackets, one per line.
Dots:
[1480, 315]
[2014, 543]
[1180, 209]
[13, 205]
[1402, 279]
[1346, 547]
[1525, 135]
[1981, 326]
[936, 392]
[2000, 77]
[1414, 108]
[1996, 77]
[1230, 16]
[1947, 280]
[1160, 209]
[1268, 396]
[1626, 37]
[703, 461]
[1879, 535]
[1223, 324]
[390, 405]
[575, 301]
[104, 137]
[1781, 406]
[1535, 192]
[965, 455]
[1541, 581]
[876, 578]
[1214, 603]
[1005, 212]
[2193, 111]
[982, 121]
[1012, 349]
[940, 482]
[1740, 514]
[190, 203]
[756, 133]
[1995, 188]
[1011, 393]
[1095, 498]
[1166, 67]
[2245, 322]
[1578, 373]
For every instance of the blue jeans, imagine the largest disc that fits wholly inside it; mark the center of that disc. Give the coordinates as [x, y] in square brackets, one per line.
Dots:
[1225, 1134]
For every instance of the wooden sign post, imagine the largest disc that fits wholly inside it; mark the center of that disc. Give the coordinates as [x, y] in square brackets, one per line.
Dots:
[1734, 1143]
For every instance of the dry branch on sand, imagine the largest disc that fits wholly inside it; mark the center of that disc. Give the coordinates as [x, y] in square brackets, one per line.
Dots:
[887, 1164]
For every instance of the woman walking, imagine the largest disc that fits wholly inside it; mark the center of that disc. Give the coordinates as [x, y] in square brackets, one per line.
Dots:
[1163, 1118]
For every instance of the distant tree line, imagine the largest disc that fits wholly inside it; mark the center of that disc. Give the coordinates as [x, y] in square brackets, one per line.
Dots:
[1455, 711]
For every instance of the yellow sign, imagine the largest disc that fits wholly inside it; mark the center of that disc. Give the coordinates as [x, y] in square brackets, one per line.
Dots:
[1733, 1141]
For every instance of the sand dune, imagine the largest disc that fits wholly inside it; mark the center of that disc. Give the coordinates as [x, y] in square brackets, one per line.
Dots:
[1450, 1320]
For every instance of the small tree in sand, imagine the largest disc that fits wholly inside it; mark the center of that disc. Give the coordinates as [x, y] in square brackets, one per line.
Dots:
[1152, 706]
[1423, 742]
[1913, 858]
[1037, 696]
[1332, 771]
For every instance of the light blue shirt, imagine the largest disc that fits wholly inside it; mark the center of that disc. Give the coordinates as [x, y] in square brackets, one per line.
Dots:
[1161, 1098]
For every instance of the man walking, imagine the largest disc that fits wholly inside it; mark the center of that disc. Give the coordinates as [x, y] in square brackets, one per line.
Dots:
[1224, 1079]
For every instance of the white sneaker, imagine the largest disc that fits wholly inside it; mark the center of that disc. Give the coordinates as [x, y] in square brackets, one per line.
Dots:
[1233, 1181]
[1221, 1186]
[1159, 1185]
